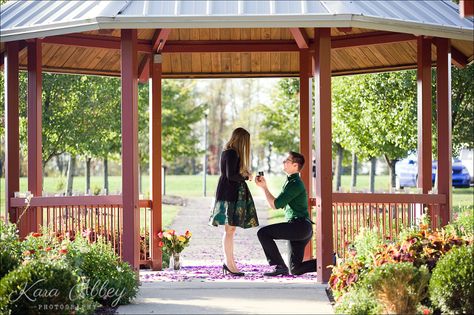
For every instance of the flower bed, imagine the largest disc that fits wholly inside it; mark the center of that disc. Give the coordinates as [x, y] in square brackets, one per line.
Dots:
[377, 276]
[66, 274]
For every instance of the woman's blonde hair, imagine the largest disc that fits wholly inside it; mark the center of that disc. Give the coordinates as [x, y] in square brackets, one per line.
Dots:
[240, 142]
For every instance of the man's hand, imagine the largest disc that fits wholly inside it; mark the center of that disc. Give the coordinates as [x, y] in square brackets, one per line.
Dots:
[261, 182]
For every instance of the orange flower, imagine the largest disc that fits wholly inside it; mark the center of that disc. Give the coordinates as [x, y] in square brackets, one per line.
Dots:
[188, 234]
[172, 232]
[63, 250]
[36, 234]
[48, 249]
[426, 311]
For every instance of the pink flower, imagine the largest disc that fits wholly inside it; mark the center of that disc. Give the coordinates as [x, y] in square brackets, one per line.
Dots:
[160, 234]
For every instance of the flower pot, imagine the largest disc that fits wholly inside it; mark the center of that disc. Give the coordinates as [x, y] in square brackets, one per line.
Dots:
[175, 262]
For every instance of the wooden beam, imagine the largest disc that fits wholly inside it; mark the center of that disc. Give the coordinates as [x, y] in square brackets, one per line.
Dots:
[443, 107]
[21, 46]
[155, 160]
[144, 69]
[229, 46]
[369, 39]
[35, 155]
[95, 41]
[300, 36]
[323, 149]
[159, 39]
[12, 130]
[466, 8]
[458, 58]
[131, 215]
[424, 114]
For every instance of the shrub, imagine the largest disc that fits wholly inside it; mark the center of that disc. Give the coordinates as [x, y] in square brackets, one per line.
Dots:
[366, 245]
[452, 283]
[398, 287]
[40, 287]
[344, 275]
[10, 248]
[358, 301]
[110, 281]
[463, 226]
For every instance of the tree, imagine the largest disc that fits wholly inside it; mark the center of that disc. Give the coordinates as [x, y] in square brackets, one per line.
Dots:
[281, 119]
[375, 115]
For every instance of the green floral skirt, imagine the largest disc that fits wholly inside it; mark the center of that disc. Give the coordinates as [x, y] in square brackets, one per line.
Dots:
[241, 213]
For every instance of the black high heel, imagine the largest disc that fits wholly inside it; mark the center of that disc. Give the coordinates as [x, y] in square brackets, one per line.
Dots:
[226, 269]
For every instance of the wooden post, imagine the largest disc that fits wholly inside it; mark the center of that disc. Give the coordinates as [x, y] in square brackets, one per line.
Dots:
[424, 114]
[443, 106]
[12, 131]
[35, 154]
[155, 160]
[323, 147]
[306, 115]
[131, 211]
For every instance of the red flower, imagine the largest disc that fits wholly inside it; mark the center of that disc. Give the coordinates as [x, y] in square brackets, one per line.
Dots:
[36, 234]
[426, 311]
[63, 250]
[160, 244]
[48, 249]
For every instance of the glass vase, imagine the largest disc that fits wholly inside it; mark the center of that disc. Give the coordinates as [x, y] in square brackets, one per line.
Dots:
[175, 261]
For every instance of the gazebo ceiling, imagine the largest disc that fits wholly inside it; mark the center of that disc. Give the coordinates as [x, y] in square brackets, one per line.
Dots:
[204, 39]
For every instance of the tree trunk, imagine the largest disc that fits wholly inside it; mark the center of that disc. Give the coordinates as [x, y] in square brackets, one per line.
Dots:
[106, 176]
[70, 175]
[354, 170]
[269, 158]
[391, 170]
[373, 164]
[338, 174]
[59, 165]
[140, 180]
[88, 175]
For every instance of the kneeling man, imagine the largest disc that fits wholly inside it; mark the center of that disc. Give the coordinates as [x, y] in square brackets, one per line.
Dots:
[297, 230]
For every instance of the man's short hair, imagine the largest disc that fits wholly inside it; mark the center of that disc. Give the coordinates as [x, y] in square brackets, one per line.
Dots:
[297, 158]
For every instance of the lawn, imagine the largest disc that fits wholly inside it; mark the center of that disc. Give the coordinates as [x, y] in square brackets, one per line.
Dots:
[192, 186]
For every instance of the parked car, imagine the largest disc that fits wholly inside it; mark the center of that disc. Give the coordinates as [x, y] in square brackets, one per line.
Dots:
[407, 173]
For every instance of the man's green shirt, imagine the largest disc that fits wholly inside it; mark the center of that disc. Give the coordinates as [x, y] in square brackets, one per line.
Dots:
[293, 198]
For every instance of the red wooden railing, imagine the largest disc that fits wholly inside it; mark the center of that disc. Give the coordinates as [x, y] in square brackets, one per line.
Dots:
[93, 216]
[387, 213]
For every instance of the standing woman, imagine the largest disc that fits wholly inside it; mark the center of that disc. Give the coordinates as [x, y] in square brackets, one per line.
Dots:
[234, 206]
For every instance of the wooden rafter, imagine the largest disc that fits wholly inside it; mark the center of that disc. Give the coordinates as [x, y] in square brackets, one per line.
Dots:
[300, 36]
[369, 39]
[159, 39]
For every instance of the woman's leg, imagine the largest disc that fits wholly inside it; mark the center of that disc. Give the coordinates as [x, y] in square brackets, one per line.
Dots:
[228, 245]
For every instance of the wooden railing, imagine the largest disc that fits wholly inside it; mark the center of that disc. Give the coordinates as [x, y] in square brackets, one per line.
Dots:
[92, 216]
[387, 213]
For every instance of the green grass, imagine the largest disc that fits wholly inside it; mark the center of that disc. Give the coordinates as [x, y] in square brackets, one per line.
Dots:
[192, 186]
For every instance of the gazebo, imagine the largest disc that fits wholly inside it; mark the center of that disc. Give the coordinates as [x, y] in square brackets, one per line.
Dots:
[152, 40]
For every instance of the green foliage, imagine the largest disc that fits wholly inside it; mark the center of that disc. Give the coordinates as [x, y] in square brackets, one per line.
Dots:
[358, 301]
[105, 273]
[39, 284]
[375, 114]
[281, 119]
[366, 244]
[452, 283]
[398, 287]
[345, 275]
[463, 226]
[10, 248]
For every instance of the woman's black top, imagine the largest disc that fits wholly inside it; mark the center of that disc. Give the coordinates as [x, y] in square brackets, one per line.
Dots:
[228, 185]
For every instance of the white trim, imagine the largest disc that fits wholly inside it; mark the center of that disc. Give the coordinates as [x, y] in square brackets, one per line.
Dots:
[246, 21]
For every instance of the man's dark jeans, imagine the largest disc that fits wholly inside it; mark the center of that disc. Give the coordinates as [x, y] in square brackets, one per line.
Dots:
[298, 233]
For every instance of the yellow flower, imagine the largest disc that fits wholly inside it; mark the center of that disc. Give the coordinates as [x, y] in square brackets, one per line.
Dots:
[181, 238]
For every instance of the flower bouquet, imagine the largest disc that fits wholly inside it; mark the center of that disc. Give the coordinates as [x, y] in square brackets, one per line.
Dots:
[174, 244]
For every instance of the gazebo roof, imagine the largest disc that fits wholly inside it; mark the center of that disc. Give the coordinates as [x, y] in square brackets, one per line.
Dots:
[234, 38]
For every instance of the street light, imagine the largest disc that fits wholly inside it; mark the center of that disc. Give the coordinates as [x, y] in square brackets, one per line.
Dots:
[204, 163]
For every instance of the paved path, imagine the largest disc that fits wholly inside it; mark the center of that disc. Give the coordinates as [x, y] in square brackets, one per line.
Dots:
[201, 288]
[206, 243]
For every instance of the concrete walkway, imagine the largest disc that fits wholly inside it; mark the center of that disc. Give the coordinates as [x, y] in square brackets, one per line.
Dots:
[201, 288]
